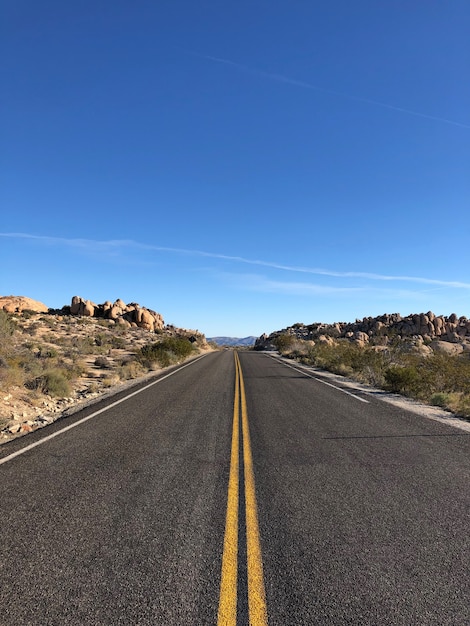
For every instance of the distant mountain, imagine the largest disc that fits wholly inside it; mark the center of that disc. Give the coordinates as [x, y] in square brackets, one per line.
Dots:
[233, 341]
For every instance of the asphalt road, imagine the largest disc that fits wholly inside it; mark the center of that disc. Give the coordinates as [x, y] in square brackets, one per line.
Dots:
[362, 509]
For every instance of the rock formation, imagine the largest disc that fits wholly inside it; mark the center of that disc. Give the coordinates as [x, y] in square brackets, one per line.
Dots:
[119, 312]
[422, 327]
[18, 304]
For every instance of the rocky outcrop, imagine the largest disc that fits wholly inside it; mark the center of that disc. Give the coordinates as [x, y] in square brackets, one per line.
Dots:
[438, 330]
[119, 312]
[18, 304]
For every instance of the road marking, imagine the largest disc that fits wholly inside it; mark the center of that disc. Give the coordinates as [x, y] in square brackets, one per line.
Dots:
[227, 615]
[324, 382]
[256, 594]
[89, 417]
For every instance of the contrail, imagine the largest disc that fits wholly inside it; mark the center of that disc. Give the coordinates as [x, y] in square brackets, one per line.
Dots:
[300, 83]
[115, 244]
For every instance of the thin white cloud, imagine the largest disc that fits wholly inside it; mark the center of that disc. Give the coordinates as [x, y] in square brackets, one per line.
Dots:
[299, 83]
[260, 283]
[263, 284]
[113, 246]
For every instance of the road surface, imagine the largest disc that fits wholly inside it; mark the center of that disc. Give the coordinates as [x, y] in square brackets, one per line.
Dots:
[236, 490]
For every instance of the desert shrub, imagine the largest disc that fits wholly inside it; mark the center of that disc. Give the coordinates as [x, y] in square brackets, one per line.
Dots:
[179, 346]
[129, 370]
[49, 321]
[32, 329]
[10, 377]
[7, 326]
[101, 339]
[458, 403]
[27, 362]
[401, 379]
[462, 407]
[439, 379]
[52, 382]
[108, 381]
[345, 358]
[102, 362]
[117, 342]
[153, 354]
[73, 370]
[46, 352]
[164, 353]
[373, 375]
[284, 342]
[57, 340]
[81, 321]
[85, 345]
[299, 349]
[440, 399]
[28, 313]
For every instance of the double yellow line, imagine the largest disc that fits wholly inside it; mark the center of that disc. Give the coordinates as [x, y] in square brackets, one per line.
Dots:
[227, 615]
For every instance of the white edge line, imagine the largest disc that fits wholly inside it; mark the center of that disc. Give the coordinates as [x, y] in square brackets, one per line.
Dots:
[89, 417]
[348, 393]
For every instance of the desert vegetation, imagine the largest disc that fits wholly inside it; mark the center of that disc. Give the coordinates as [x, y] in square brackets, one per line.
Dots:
[400, 366]
[50, 361]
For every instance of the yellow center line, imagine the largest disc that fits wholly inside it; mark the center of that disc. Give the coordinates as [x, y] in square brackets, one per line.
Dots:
[227, 615]
[256, 594]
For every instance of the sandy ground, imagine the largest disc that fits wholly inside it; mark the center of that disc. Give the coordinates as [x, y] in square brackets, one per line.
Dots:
[23, 410]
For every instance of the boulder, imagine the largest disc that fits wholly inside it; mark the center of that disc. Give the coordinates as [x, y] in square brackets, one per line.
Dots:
[145, 319]
[88, 309]
[447, 347]
[325, 339]
[361, 338]
[438, 324]
[131, 314]
[113, 313]
[75, 306]
[18, 304]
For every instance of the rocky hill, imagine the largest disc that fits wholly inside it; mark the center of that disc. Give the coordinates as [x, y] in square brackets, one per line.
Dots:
[53, 360]
[117, 312]
[421, 356]
[18, 304]
[451, 334]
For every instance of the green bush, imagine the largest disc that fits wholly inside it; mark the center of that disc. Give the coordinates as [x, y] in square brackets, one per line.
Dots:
[164, 353]
[439, 379]
[53, 383]
[7, 326]
[284, 342]
[440, 399]
[401, 379]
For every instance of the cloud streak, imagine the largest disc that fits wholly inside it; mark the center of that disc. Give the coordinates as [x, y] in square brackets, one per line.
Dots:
[114, 246]
[305, 85]
[260, 283]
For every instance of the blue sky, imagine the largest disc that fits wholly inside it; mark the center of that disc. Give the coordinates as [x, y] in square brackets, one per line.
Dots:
[237, 166]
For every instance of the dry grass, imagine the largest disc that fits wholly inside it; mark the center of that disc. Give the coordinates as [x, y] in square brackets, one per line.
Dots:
[437, 379]
[50, 362]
